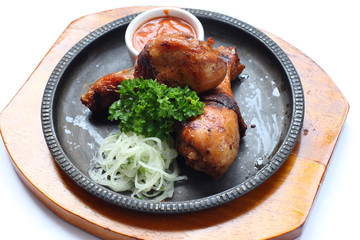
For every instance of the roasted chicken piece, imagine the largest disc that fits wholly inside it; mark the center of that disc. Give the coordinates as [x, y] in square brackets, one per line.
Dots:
[104, 91]
[179, 59]
[223, 93]
[210, 142]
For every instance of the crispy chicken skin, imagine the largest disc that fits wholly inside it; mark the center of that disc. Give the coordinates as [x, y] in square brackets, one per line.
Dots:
[103, 92]
[210, 142]
[179, 59]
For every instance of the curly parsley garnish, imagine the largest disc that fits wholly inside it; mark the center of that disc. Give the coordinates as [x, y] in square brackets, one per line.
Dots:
[149, 108]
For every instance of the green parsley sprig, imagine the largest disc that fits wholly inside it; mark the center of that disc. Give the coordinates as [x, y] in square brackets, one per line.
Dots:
[149, 108]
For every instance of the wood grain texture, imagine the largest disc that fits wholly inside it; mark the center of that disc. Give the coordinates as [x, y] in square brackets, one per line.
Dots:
[276, 209]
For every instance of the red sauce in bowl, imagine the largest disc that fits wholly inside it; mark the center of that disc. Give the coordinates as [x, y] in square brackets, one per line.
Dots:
[159, 26]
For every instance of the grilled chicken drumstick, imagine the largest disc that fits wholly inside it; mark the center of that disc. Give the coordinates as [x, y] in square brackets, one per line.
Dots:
[210, 142]
[179, 59]
[104, 91]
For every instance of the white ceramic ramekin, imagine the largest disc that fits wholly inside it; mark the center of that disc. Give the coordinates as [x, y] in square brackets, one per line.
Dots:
[160, 12]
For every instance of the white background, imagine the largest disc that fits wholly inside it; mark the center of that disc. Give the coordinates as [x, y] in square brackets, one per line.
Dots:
[326, 31]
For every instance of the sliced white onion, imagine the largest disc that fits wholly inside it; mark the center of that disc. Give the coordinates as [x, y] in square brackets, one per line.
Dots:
[144, 166]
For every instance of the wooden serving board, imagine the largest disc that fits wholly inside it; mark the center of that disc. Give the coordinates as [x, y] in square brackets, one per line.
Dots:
[276, 209]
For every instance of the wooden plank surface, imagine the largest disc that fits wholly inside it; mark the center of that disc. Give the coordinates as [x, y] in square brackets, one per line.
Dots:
[276, 209]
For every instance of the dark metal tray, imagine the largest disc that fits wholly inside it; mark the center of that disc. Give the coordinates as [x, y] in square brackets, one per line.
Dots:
[269, 94]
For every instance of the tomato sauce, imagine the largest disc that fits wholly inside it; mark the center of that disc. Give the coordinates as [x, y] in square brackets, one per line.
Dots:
[159, 26]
